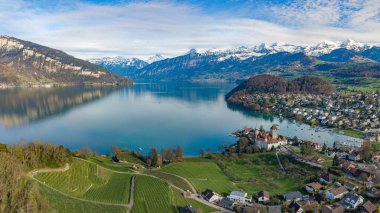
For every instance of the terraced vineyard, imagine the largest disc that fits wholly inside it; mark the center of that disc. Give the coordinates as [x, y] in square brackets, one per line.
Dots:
[90, 181]
[152, 196]
[203, 175]
[62, 203]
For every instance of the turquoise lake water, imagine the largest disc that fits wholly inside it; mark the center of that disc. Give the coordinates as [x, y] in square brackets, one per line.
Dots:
[161, 115]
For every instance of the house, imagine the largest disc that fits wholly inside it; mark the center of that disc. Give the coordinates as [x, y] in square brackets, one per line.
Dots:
[352, 201]
[115, 159]
[237, 196]
[274, 209]
[365, 174]
[317, 160]
[187, 209]
[292, 196]
[327, 178]
[295, 207]
[374, 193]
[263, 196]
[335, 193]
[334, 208]
[210, 196]
[255, 208]
[351, 186]
[313, 187]
[225, 203]
[354, 156]
[303, 206]
[186, 194]
[367, 207]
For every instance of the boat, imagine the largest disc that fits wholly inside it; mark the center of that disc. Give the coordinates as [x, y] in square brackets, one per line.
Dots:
[141, 149]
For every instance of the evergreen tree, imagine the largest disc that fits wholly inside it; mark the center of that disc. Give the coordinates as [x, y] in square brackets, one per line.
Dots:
[336, 161]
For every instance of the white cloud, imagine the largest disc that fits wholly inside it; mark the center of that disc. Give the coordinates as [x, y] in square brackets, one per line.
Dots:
[146, 28]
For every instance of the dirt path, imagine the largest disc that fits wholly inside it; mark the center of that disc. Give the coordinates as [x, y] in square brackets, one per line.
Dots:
[45, 170]
[279, 162]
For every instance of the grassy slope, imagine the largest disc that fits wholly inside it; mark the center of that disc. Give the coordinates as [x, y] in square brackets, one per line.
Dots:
[251, 173]
[176, 181]
[203, 175]
[89, 181]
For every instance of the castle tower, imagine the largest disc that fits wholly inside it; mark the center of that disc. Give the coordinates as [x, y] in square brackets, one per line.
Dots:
[274, 131]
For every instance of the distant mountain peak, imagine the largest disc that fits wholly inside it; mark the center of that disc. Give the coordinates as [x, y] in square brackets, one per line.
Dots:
[154, 58]
[191, 52]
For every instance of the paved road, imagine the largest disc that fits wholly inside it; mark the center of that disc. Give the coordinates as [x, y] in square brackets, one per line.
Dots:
[132, 195]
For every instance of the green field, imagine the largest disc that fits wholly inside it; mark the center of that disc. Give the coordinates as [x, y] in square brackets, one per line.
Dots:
[203, 175]
[256, 172]
[152, 195]
[173, 179]
[62, 203]
[89, 181]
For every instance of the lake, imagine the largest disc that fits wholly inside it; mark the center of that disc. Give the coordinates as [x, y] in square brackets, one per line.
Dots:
[161, 115]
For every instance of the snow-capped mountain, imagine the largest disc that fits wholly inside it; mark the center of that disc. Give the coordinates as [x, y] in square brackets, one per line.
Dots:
[119, 61]
[240, 62]
[120, 64]
[326, 47]
[156, 57]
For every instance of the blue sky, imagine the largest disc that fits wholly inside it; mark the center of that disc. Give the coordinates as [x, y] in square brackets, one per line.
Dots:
[97, 28]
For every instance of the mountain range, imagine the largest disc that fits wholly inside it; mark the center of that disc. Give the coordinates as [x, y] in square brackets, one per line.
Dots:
[348, 58]
[27, 63]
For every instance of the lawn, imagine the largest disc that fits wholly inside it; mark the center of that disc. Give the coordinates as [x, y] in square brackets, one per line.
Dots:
[62, 203]
[173, 179]
[353, 133]
[152, 195]
[203, 175]
[90, 181]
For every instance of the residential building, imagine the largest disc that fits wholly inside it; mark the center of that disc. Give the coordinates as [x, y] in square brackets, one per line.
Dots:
[334, 208]
[352, 200]
[335, 192]
[237, 196]
[263, 196]
[292, 196]
[225, 203]
[368, 207]
[210, 196]
[313, 187]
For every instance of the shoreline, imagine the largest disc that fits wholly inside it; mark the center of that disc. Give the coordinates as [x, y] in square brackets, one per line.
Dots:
[340, 131]
[59, 85]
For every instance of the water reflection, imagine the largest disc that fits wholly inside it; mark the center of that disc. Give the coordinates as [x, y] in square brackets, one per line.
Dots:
[21, 106]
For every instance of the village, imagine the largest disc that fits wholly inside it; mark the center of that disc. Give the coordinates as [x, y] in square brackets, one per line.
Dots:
[348, 179]
[357, 114]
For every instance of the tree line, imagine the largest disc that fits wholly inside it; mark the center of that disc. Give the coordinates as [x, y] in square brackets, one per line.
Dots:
[17, 192]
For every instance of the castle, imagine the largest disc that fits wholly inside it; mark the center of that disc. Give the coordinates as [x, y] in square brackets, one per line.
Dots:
[265, 140]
